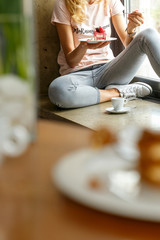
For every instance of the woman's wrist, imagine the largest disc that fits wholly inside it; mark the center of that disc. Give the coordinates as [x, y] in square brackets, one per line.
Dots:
[131, 32]
[75, 56]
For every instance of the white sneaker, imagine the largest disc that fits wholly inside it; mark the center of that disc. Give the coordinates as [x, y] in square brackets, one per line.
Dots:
[133, 90]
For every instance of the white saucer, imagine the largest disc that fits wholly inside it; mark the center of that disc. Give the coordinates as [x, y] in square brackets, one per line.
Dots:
[124, 110]
[97, 41]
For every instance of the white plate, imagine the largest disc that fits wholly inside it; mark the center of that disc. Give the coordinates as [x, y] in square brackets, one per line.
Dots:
[124, 110]
[97, 41]
[73, 171]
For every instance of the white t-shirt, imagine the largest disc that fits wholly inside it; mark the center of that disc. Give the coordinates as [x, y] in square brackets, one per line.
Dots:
[97, 16]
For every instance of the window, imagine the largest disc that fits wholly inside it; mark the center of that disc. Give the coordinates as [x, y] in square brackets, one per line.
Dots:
[151, 11]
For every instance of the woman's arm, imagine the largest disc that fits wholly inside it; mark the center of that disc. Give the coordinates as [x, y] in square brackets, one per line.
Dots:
[72, 53]
[135, 19]
[120, 26]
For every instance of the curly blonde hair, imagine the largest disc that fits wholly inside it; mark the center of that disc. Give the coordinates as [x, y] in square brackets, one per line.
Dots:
[77, 9]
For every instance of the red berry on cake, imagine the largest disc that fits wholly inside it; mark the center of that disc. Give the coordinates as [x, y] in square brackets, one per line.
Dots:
[101, 30]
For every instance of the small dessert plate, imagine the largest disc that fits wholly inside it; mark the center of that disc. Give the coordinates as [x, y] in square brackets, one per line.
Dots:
[97, 41]
[121, 193]
[123, 110]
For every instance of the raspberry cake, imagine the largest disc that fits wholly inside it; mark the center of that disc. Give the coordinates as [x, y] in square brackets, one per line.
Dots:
[100, 34]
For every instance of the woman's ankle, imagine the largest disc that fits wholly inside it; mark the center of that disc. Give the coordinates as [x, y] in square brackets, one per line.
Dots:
[107, 94]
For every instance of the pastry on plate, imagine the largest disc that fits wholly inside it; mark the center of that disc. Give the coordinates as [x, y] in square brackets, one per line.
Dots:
[102, 137]
[149, 160]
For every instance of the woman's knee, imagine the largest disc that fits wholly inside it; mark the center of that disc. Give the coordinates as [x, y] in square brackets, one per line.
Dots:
[148, 33]
[59, 93]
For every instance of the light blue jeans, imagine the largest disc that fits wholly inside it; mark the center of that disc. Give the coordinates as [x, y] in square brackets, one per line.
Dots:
[81, 88]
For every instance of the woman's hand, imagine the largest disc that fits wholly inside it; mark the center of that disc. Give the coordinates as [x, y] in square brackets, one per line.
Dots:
[136, 19]
[97, 45]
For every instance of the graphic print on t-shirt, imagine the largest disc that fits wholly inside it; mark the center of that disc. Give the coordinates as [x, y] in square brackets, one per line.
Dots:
[89, 31]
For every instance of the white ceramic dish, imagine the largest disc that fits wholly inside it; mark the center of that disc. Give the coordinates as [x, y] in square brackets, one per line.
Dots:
[124, 110]
[71, 177]
[97, 41]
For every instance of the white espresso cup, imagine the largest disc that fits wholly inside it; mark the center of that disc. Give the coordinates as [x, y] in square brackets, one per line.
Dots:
[118, 103]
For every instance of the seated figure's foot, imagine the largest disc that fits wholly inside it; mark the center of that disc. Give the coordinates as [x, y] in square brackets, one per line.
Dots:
[133, 90]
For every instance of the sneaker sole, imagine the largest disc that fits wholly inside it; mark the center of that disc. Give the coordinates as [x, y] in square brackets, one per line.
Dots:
[146, 85]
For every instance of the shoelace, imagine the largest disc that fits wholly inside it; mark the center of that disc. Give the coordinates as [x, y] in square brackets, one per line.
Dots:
[129, 92]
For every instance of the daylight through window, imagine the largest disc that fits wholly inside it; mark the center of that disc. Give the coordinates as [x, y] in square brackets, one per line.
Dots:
[151, 11]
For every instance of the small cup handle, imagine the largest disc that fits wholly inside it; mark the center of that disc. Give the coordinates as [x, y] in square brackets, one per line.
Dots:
[125, 101]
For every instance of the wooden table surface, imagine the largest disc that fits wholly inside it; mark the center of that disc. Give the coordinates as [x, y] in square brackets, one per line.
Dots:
[31, 208]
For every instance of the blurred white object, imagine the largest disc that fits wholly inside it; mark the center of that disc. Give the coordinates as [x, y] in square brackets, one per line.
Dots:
[125, 184]
[126, 147]
[16, 100]
[17, 141]
[16, 115]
